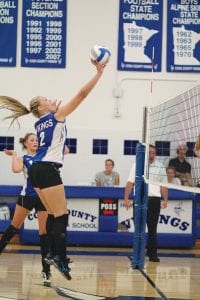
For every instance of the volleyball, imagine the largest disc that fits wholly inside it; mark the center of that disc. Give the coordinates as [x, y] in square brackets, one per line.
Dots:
[100, 54]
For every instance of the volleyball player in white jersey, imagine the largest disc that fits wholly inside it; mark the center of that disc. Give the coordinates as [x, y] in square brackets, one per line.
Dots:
[44, 173]
[28, 200]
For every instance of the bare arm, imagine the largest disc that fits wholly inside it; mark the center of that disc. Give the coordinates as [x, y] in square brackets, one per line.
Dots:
[17, 162]
[164, 192]
[68, 108]
[127, 191]
[117, 180]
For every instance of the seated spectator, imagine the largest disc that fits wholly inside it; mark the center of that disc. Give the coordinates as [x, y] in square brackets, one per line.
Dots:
[182, 167]
[171, 172]
[108, 177]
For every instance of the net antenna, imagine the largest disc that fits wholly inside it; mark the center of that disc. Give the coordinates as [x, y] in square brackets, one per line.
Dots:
[152, 68]
[174, 127]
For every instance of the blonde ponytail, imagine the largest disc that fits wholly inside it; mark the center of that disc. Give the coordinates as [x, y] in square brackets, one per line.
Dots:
[16, 108]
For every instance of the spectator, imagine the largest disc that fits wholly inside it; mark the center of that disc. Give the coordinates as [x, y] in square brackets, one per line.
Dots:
[155, 193]
[108, 177]
[171, 172]
[182, 167]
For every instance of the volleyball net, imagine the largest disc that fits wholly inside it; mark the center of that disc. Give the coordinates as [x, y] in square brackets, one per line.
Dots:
[173, 127]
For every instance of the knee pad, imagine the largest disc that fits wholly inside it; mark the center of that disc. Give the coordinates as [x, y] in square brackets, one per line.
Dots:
[67, 220]
[60, 227]
[49, 224]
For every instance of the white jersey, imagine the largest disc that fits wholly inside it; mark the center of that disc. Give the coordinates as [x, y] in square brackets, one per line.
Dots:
[51, 136]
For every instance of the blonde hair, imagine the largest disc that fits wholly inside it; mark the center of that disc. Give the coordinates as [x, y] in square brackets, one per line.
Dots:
[17, 109]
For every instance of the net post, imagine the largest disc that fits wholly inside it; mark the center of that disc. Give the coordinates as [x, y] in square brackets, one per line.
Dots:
[141, 194]
[140, 209]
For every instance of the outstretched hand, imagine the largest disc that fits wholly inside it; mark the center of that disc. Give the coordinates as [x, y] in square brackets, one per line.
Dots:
[99, 67]
[9, 152]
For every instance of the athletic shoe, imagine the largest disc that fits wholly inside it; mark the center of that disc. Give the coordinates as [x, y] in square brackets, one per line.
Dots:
[154, 258]
[46, 276]
[69, 261]
[62, 267]
[49, 259]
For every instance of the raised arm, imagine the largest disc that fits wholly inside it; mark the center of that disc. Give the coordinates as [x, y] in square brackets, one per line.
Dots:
[17, 162]
[68, 108]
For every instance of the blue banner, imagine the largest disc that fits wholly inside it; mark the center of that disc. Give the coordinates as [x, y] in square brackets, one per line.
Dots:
[140, 35]
[44, 34]
[8, 33]
[183, 36]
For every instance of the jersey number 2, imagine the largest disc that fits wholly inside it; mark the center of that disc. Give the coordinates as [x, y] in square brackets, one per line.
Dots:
[42, 143]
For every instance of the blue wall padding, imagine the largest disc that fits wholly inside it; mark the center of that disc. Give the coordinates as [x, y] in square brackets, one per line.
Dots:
[108, 223]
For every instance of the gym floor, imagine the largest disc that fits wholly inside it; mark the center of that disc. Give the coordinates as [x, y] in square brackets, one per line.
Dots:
[101, 273]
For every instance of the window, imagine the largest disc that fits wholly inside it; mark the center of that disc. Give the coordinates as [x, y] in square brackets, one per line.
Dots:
[162, 148]
[130, 147]
[190, 151]
[6, 142]
[100, 146]
[72, 145]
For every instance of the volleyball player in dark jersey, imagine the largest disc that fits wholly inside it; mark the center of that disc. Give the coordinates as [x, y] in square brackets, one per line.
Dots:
[44, 172]
[28, 200]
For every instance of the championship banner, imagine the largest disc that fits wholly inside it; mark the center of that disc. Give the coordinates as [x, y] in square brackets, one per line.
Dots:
[44, 34]
[8, 33]
[183, 36]
[140, 35]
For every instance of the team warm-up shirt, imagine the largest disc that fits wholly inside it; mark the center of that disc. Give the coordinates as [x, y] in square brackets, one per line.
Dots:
[27, 189]
[51, 136]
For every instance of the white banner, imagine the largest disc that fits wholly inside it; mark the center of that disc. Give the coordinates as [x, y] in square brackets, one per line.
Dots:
[83, 216]
[176, 218]
[31, 222]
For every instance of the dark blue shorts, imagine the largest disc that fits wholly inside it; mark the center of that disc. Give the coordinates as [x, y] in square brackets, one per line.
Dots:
[45, 174]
